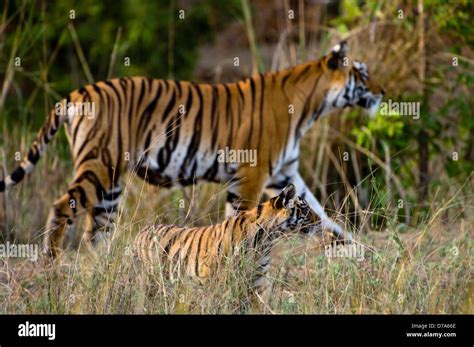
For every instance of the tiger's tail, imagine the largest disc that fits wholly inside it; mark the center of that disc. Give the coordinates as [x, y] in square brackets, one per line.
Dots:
[37, 148]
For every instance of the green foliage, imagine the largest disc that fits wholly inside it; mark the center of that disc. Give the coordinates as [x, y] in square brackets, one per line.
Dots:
[383, 128]
[461, 140]
[446, 105]
[453, 17]
[152, 35]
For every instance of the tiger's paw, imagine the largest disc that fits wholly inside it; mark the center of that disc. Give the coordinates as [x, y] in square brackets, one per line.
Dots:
[338, 234]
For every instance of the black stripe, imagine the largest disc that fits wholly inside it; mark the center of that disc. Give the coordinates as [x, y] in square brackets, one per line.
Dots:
[259, 210]
[131, 111]
[82, 195]
[114, 175]
[211, 173]
[92, 134]
[18, 174]
[55, 126]
[229, 115]
[252, 90]
[285, 79]
[114, 89]
[33, 155]
[231, 197]
[170, 105]
[178, 87]
[141, 94]
[97, 89]
[139, 104]
[214, 116]
[172, 239]
[108, 210]
[149, 110]
[306, 109]
[147, 143]
[94, 179]
[279, 185]
[196, 269]
[347, 89]
[189, 101]
[240, 104]
[112, 195]
[319, 110]
[258, 237]
[166, 85]
[196, 137]
[301, 74]
[199, 248]
[172, 139]
[241, 93]
[91, 155]
[76, 129]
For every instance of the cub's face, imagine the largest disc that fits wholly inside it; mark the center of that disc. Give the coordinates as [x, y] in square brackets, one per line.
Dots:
[291, 213]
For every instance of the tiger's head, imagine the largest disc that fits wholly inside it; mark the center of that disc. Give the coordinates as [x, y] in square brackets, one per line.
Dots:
[289, 212]
[349, 82]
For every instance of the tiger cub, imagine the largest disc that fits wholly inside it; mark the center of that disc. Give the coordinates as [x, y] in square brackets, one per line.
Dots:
[198, 251]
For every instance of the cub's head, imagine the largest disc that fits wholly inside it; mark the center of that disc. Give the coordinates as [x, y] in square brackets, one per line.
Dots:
[349, 82]
[289, 213]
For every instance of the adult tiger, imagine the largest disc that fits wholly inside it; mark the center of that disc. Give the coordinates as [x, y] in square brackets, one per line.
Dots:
[198, 252]
[172, 132]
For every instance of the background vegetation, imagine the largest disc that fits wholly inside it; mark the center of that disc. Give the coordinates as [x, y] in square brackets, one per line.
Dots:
[406, 191]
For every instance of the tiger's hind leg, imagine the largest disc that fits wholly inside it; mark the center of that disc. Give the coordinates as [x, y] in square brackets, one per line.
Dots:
[62, 217]
[85, 192]
[102, 217]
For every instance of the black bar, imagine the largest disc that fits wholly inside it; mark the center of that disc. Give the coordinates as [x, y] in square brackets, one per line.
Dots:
[315, 330]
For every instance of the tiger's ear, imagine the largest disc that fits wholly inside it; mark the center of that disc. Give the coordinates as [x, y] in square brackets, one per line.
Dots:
[337, 56]
[285, 198]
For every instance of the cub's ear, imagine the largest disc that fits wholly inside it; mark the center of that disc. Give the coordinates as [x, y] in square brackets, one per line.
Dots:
[285, 198]
[337, 55]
